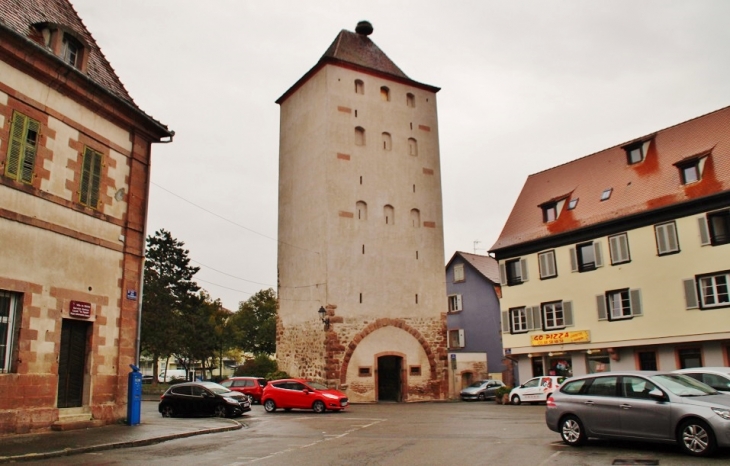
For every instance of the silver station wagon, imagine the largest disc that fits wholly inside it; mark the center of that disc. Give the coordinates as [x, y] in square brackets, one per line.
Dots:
[641, 405]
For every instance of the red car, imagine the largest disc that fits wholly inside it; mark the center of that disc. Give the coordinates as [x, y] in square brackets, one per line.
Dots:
[253, 387]
[301, 394]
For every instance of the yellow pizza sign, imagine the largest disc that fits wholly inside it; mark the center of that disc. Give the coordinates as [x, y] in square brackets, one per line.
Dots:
[561, 338]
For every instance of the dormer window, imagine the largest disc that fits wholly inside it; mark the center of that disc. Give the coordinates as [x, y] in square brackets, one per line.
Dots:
[64, 44]
[71, 50]
[572, 204]
[549, 212]
[690, 169]
[551, 209]
[636, 152]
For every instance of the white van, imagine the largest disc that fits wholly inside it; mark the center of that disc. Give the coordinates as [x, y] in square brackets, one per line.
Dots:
[172, 374]
[535, 390]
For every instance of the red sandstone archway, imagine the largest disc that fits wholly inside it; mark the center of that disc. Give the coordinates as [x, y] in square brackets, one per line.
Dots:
[378, 324]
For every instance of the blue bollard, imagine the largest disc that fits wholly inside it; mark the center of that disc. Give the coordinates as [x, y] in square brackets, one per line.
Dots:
[134, 396]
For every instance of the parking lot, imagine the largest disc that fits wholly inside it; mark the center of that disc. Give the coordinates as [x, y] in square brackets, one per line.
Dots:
[390, 434]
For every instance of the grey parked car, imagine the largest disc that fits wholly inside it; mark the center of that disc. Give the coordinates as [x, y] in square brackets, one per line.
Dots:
[716, 377]
[481, 390]
[641, 405]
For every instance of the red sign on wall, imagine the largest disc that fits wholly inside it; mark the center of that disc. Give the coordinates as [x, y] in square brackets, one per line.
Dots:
[79, 309]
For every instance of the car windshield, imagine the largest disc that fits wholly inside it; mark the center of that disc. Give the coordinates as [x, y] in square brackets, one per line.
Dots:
[215, 388]
[316, 385]
[683, 386]
[477, 384]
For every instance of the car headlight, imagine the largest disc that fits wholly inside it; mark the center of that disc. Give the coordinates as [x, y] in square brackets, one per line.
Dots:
[232, 401]
[722, 412]
[330, 396]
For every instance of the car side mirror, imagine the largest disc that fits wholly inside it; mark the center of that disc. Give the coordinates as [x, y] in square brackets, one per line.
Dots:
[657, 394]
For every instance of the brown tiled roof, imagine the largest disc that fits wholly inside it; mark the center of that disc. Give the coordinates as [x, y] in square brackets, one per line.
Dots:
[357, 51]
[485, 265]
[652, 184]
[20, 15]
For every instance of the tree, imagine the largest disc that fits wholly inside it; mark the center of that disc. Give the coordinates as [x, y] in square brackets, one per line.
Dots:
[255, 323]
[169, 289]
[260, 366]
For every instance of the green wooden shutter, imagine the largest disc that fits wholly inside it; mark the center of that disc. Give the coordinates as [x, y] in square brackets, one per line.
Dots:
[31, 141]
[95, 180]
[15, 149]
[90, 178]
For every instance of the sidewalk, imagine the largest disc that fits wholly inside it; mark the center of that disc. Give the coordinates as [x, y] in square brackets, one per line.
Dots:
[152, 429]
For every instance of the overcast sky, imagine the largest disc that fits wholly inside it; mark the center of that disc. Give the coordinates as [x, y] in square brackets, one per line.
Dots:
[525, 85]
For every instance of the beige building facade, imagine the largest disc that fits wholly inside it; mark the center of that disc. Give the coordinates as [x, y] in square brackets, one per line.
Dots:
[74, 174]
[360, 228]
[621, 259]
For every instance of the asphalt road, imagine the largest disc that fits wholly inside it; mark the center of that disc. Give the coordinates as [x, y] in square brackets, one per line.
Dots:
[455, 433]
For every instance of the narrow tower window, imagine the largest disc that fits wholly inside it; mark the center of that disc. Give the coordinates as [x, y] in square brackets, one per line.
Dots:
[416, 218]
[412, 146]
[362, 210]
[385, 94]
[359, 87]
[359, 136]
[386, 141]
[389, 213]
[410, 100]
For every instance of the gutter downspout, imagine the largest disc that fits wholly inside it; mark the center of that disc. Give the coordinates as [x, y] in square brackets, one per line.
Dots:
[144, 249]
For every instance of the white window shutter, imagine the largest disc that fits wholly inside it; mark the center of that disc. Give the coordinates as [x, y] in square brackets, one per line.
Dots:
[573, 260]
[523, 270]
[599, 254]
[502, 274]
[568, 313]
[505, 321]
[704, 231]
[690, 294]
[613, 247]
[542, 265]
[458, 302]
[536, 317]
[461, 338]
[635, 300]
[601, 305]
[552, 267]
[529, 321]
[672, 241]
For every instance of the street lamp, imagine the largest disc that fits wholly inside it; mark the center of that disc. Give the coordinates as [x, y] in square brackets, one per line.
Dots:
[323, 317]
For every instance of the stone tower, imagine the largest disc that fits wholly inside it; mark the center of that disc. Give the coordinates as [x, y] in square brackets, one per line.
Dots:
[360, 228]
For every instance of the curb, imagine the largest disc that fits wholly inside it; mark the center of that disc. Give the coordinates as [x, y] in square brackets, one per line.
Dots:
[112, 446]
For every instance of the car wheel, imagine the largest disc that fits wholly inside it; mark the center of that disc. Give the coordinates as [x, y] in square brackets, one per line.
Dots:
[516, 400]
[220, 411]
[167, 411]
[269, 406]
[572, 432]
[480, 397]
[318, 407]
[696, 438]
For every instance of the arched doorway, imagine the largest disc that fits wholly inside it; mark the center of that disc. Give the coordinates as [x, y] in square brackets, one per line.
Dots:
[390, 378]
[467, 378]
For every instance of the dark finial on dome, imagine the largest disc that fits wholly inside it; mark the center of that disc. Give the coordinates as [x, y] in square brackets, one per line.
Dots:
[364, 28]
